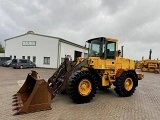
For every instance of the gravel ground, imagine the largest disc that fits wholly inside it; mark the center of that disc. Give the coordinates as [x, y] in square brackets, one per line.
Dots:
[143, 105]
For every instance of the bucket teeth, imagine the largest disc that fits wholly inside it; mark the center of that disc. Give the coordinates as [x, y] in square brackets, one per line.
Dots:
[17, 108]
[14, 101]
[16, 104]
[15, 97]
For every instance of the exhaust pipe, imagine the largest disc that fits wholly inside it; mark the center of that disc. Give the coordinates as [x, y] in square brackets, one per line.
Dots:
[150, 52]
[122, 51]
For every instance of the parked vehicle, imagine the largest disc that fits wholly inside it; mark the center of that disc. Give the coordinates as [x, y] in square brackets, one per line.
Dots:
[7, 63]
[22, 63]
[4, 59]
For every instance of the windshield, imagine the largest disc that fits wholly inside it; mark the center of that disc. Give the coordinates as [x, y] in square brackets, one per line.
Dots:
[96, 48]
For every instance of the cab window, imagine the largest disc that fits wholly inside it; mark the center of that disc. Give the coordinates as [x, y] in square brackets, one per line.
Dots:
[110, 51]
[96, 48]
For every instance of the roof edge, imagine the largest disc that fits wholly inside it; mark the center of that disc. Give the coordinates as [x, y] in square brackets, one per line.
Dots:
[30, 32]
[60, 39]
[71, 43]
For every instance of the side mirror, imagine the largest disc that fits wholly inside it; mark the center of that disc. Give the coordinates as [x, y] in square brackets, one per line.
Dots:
[119, 53]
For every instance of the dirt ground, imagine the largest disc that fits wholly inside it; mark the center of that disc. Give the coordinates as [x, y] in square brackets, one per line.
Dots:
[143, 105]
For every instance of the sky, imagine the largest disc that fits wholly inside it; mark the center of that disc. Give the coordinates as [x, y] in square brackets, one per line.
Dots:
[135, 23]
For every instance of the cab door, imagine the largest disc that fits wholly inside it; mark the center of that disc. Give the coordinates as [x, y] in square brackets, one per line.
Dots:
[110, 54]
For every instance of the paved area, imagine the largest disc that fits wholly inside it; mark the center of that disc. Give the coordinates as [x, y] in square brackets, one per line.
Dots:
[143, 105]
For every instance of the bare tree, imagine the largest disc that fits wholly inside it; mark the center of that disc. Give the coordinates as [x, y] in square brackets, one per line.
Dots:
[1, 48]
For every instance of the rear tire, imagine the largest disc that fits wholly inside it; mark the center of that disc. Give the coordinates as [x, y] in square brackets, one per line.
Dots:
[82, 86]
[122, 89]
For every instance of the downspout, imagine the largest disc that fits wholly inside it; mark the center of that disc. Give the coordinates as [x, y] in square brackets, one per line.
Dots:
[5, 49]
[58, 55]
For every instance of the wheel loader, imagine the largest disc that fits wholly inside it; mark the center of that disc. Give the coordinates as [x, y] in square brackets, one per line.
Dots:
[103, 69]
[149, 65]
[138, 64]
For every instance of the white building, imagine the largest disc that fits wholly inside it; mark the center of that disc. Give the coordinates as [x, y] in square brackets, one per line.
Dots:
[2, 54]
[45, 51]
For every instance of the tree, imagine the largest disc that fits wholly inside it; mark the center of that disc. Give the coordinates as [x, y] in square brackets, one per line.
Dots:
[1, 48]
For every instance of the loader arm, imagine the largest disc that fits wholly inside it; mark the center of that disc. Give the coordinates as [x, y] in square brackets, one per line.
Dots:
[57, 82]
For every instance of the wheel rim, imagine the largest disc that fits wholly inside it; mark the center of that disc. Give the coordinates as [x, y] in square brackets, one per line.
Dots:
[128, 84]
[85, 87]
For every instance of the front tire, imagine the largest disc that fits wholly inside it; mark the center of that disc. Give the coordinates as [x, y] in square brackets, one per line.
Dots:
[126, 84]
[82, 86]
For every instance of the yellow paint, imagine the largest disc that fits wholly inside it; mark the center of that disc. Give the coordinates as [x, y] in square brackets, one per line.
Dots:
[84, 87]
[115, 64]
[105, 82]
[108, 68]
[148, 65]
[128, 84]
[112, 39]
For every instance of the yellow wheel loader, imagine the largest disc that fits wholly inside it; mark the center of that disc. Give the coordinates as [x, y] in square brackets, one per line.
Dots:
[104, 68]
[149, 65]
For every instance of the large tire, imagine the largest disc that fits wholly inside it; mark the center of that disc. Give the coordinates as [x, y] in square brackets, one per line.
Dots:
[128, 78]
[82, 86]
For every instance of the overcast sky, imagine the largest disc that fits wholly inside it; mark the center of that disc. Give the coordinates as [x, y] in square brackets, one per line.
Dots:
[135, 23]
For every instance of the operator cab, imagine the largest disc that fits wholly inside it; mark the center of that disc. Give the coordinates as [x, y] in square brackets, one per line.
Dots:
[102, 47]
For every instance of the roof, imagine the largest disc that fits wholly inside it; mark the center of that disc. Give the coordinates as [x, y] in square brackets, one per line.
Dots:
[60, 39]
[74, 44]
[108, 39]
[112, 39]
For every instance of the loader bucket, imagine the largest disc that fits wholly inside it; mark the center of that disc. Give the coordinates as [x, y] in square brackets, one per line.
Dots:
[32, 96]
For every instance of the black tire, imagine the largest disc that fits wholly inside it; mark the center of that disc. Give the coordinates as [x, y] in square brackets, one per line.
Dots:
[73, 83]
[120, 87]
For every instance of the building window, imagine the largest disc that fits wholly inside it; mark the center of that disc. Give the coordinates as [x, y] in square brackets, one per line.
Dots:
[46, 60]
[14, 57]
[23, 57]
[28, 57]
[34, 59]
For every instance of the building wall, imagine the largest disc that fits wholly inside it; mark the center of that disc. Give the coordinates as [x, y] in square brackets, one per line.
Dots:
[67, 49]
[2, 54]
[45, 47]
